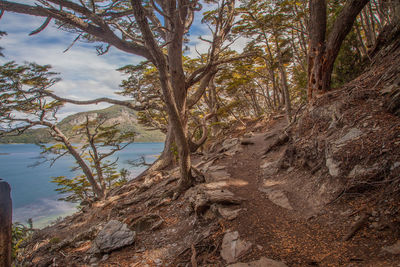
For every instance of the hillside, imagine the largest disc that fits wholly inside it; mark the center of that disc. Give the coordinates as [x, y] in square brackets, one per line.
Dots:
[323, 191]
[126, 118]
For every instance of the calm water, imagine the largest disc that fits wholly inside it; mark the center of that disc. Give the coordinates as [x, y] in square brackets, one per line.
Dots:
[34, 196]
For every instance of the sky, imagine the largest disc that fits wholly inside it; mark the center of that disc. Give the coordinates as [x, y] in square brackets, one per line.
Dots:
[85, 75]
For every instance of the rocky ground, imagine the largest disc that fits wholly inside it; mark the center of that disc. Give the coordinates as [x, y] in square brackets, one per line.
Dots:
[323, 191]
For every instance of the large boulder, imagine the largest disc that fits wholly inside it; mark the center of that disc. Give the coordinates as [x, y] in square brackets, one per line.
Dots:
[114, 235]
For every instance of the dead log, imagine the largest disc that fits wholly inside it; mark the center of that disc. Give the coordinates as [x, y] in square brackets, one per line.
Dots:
[5, 224]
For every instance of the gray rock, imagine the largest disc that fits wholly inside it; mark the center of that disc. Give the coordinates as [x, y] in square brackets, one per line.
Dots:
[269, 168]
[393, 249]
[228, 213]
[105, 257]
[359, 171]
[352, 134]
[113, 236]
[333, 167]
[395, 165]
[93, 260]
[263, 262]
[233, 247]
[278, 197]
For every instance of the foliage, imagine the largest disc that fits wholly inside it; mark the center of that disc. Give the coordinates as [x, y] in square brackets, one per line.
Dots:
[20, 233]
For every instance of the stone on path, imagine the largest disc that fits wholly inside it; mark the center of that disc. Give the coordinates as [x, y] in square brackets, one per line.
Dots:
[228, 213]
[233, 247]
[278, 197]
[263, 262]
[269, 168]
[113, 236]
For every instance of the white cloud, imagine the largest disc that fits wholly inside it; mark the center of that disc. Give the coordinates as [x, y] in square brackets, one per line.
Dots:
[85, 75]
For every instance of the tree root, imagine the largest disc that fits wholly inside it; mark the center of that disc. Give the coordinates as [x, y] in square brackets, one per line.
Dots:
[355, 227]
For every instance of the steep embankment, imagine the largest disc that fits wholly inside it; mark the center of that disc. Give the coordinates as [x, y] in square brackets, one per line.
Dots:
[322, 192]
[126, 119]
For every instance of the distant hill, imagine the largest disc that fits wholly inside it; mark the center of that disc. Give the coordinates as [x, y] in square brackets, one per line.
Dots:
[126, 118]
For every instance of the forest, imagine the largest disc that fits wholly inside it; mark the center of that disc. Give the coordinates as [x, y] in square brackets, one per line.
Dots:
[289, 83]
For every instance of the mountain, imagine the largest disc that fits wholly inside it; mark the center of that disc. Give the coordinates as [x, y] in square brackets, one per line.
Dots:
[126, 118]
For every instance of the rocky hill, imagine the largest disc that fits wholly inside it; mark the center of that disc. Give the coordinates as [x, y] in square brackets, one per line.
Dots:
[126, 118]
[322, 191]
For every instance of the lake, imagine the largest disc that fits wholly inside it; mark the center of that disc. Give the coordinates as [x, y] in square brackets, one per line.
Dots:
[32, 192]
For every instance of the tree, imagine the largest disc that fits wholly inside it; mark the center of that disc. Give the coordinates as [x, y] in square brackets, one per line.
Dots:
[154, 30]
[323, 49]
[24, 106]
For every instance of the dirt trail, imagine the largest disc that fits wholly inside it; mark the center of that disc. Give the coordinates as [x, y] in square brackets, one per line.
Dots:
[289, 234]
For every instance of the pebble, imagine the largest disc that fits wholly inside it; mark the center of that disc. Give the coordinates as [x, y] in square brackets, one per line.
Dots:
[93, 260]
[105, 257]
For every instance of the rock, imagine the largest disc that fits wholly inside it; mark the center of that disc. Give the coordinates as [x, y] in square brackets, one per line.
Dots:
[233, 247]
[93, 260]
[228, 213]
[278, 197]
[352, 134]
[147, 222]
[359, 171]
[269, 168]
[113, 236]
[395, 165]
[217, 176]
[263, 262]
[105, 257]
[230, 143]
[333, 167]
[393, 249]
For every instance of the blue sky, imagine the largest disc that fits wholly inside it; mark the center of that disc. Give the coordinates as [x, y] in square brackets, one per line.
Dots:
[85, 75]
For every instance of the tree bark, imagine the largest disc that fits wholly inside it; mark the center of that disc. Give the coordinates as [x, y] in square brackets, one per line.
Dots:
[175, 104]
[5, 224]
[324, 51]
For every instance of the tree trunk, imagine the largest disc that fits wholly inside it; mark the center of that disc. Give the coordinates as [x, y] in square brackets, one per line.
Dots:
[317, 30]
[285, 86]
[86, 170]
[166, 158]
[323, 52]
[5, 224]
[174, 95]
